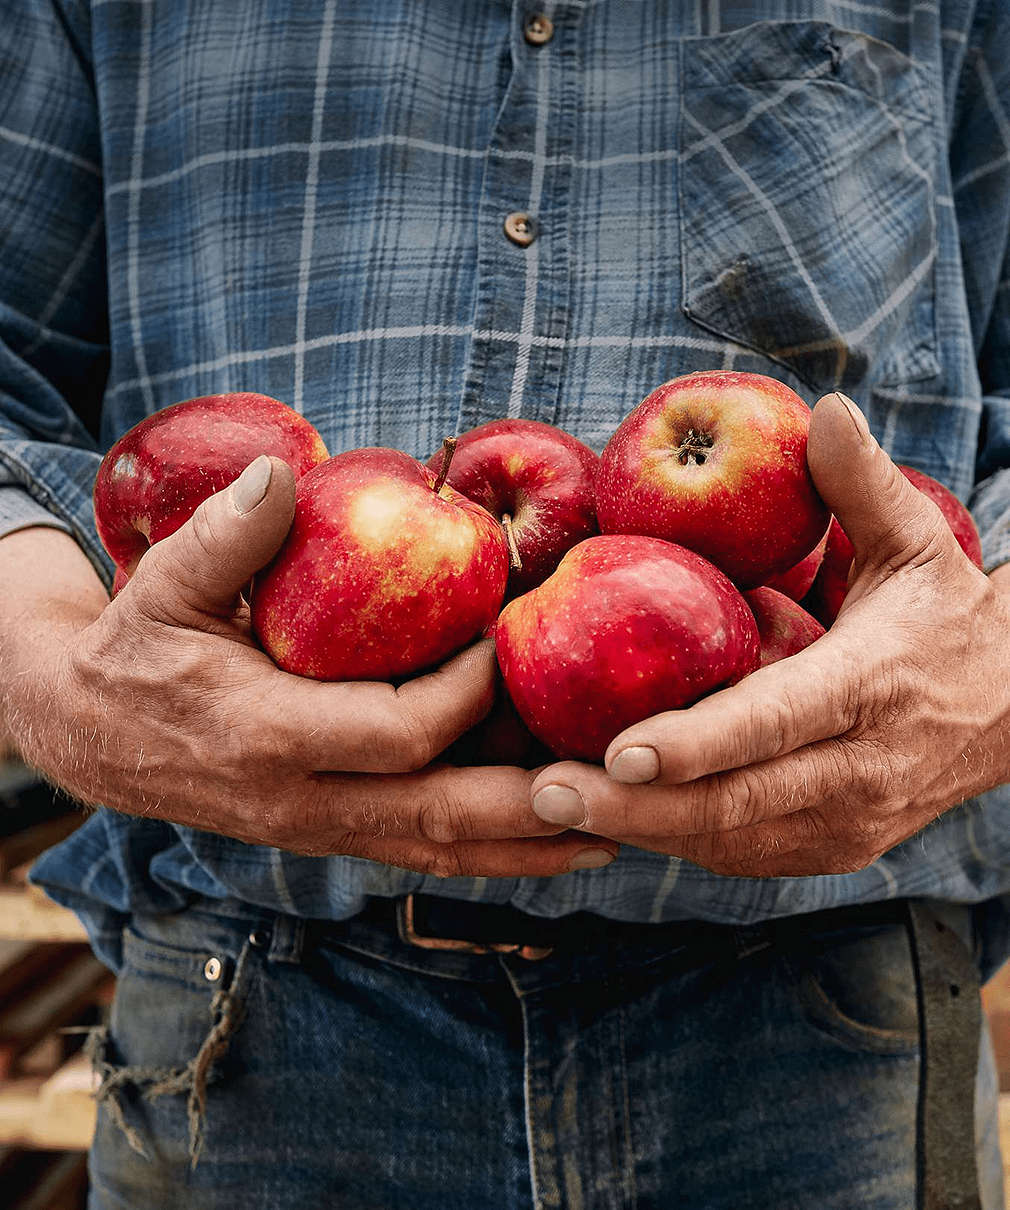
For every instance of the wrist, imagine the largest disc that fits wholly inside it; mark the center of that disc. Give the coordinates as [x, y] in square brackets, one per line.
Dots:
[45, 574]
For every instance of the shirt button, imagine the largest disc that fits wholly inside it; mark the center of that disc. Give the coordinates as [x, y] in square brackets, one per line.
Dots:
[538, 29]
[519, 228]
[212, 970]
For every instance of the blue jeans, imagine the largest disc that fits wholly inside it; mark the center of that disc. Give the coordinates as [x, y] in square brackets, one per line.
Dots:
[773, 1068]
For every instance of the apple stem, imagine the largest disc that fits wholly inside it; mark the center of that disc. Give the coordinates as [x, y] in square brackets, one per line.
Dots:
[510, 538]
[448, 449]
[693, 448]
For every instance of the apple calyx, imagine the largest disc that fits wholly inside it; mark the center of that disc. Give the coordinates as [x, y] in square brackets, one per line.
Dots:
[448, 449]
[515, 560]
[693, 448]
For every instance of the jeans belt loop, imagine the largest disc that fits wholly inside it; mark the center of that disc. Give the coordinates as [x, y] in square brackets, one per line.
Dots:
[287, 939]
[408, 933]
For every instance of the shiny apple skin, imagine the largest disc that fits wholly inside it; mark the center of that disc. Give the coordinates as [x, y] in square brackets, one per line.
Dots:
[154, 477]
[795, 583]
[832, 581]
[379, 577]
[538, 474]
[626, 627]
[750, 506]
[785, 628]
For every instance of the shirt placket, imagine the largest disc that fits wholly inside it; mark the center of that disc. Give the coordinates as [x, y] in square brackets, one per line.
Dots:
[521, 312]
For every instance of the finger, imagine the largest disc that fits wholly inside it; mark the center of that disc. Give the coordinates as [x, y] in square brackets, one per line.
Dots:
[373, 727]
[812, 696]
[531, 858]
[442, 805]
[583, 796]
[889, 522]
[201, 568]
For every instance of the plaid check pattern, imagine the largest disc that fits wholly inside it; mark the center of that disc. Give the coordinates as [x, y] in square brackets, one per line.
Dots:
[307, 200]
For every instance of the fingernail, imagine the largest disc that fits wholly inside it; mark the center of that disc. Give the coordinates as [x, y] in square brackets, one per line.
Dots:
[635, 765]
[858, 419]
[251, 486]
[560, 804]
[590, 859]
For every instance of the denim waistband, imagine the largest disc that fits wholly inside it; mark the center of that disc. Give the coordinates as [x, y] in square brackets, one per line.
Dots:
[584, 946]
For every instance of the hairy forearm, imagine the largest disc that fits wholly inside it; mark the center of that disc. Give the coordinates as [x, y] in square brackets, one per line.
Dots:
[42, 567]
[1001, 578]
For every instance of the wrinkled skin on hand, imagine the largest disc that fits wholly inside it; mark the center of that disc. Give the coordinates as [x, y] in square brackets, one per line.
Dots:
[160, 704]
[822, 762]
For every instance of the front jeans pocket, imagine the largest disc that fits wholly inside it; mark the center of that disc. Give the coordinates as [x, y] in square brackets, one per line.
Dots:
[173, 1017]
[807, 200]
[859, 986]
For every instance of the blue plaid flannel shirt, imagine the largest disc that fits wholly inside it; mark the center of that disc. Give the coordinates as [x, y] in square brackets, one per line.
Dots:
[307, 199]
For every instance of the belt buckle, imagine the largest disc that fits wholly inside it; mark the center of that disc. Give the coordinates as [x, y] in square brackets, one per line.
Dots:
[408, 932]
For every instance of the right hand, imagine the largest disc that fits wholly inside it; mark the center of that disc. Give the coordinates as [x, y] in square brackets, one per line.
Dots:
[163, 706]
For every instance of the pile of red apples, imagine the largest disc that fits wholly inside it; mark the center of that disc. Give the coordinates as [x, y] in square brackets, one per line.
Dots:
[615, 587]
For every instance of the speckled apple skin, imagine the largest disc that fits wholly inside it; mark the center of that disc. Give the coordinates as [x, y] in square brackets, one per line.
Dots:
[540, 475]
[152, 480]
[832, 582]
[795, 583]
[379, 577]
[785, 628]
[625, 628]
[751, 508]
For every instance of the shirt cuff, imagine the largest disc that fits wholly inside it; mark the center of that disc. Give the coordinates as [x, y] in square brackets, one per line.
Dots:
[19, 511]
[990, 506]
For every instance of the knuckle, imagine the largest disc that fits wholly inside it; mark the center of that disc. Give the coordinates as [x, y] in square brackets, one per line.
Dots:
[441, 862]
[398, 745]
[440, 820]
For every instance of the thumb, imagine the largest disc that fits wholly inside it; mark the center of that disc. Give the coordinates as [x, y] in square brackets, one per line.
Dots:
[888, 521]
[204, 565]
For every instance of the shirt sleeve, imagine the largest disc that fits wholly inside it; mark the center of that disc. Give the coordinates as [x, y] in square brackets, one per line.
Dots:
[19, 511]
[53, 295]
[980, 172]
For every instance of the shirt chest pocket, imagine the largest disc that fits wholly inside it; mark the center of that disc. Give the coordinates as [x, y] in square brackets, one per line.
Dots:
[807, 204]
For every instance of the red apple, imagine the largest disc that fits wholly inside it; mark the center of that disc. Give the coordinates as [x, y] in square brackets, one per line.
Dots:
[955, 514]
[832, 582]
[795, 583]
[153, 478]
[625, 628]
[716, 461]
[119, 581]
[538, 480]
[784, 627]
[386, 571]
[501, 738]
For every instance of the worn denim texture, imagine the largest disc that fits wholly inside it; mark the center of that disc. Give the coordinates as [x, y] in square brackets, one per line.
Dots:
[724, 1069]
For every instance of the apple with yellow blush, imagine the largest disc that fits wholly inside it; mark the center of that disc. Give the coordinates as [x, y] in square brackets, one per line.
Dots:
[386, 571]
[716, 461]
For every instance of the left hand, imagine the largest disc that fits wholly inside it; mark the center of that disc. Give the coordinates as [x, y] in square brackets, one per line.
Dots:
[822, 762]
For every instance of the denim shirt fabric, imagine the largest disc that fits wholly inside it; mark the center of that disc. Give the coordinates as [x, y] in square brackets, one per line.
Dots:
[307, 200]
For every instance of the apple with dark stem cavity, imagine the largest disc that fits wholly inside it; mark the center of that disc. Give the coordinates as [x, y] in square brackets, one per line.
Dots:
[386, 571]
[151, 481]
[538, 480]
[785, 627]
[626, 627]
[832, 582]
[716, 461]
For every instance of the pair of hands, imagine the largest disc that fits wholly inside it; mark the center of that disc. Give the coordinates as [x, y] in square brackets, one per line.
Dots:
[160, 704]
